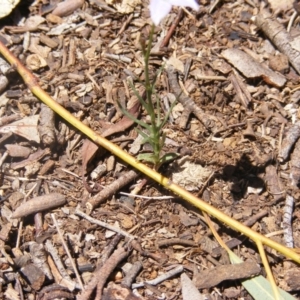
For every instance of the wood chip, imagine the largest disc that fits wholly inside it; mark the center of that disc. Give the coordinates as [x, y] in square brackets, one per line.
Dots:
[250, 68]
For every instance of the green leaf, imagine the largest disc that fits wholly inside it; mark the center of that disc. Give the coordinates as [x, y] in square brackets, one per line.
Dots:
[168, 157]
[167, 115]
[162, 140]
[149, 157]
[137, 94]
[146, 138]
[259, 287]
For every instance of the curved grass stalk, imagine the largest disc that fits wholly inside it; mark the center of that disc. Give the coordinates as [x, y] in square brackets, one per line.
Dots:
[232, 255]
[32, 84]
[270, 276]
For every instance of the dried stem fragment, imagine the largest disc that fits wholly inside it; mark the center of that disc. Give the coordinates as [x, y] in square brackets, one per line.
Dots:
[241, 89]
[67, 251]
[287, 221]
[101, 275]
[70, 285]
[169, 242]
[172, 28]
[253, 219]
[132, 273]
[111, 189]
[57, 261]
[161, 278]
[288, 142]
[109, 249]
[39, 204]
[103, 224]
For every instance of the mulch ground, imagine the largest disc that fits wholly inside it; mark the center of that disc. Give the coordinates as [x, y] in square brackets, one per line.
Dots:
[235, 128]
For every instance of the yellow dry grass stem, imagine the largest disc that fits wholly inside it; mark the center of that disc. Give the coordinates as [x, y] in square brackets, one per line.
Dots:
[32, 84]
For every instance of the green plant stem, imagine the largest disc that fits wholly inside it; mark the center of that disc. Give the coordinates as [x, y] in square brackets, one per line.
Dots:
[148, 84]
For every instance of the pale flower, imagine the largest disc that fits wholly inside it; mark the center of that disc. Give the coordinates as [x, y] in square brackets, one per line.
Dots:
[160, 8]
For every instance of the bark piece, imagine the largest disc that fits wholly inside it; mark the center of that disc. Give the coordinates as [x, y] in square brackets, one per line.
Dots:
[279, 5]
[17, 151]
[189, 291]
[288, 142]
[125, 122]
[274, 184]
[47, 126]
[34, 62]
[291, 278]
[212, 277]
[27, 128]
[131, 274]
[280, 38]
[66, 8]
[279, 63]
[250, 68]
[44, 39]
[34, 276]
[4, 232]
[34, 157]
[3, 83]
[124, 6]
[38, 204]
[39, 259]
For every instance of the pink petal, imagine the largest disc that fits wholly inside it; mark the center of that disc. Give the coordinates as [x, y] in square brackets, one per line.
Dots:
[159, 9]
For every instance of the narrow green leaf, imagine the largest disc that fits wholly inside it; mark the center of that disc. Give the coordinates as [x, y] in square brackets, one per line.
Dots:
[162, 140]
[146, 138]
[158, 117]
[133, 118]
[168, 157]
[137, 94]
[259, 287]
[143, 134]
[167, 115]
[149, 157]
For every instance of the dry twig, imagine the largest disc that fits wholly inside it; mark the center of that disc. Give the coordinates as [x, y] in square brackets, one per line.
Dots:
[103, 224]
[67, 251]
[101, 275]
[111, 189]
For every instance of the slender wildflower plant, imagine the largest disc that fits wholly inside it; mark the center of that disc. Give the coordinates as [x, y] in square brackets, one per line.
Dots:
[152, 133]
